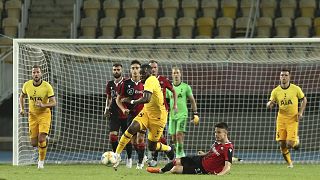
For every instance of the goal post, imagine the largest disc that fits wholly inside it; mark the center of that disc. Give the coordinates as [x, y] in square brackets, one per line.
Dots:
[231, 80]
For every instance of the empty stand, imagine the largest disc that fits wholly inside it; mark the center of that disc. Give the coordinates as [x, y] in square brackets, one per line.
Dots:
[205, 27]
[190, 8]
[147, 26]
[1, 10]
[10, 26]
[166, 25]
[111, 8]
[88, 27]
[150, 8]
[288, 8]
[229, 8]
[316, 24]
[302, 26]
[246, 6]
[91, 8]
[225, 26]
[241, 26]
[264, 27]
[170, 8]
[268, 8]
[283, 27]
[131, 8]
[127, 26]
[108, 27]
[209, 8]
[307, 8]
[185, 25]
[13, 8]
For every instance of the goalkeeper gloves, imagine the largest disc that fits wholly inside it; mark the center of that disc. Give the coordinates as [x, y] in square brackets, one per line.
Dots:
[195, 118]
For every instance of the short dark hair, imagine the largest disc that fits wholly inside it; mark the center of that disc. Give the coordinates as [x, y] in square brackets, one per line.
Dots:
[146, 67]
[153, 61]
[285, 70]
[135, 62]
[36, 66]
[222, 125]
[116, 65]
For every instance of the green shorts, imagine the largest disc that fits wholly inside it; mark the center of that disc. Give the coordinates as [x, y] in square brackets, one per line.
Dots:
[177, 125]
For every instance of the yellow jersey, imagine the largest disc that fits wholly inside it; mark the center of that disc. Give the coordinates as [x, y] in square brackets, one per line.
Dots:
[41, 92]
[156, 103]
[287, 100]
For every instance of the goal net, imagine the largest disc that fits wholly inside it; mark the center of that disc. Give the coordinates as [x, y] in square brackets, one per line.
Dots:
[231, 81]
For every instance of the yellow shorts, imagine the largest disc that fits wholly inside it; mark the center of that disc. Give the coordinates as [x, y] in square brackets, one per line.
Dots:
[39, 123]
[154, 122]
[287, 130]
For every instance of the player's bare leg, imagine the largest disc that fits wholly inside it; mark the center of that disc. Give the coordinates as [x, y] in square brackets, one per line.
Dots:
[42, 142]
[179, 145]
[140, 149]
[35, 153]
[285, 153]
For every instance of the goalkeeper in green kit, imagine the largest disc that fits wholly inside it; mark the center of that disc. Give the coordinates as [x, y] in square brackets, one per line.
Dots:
[178, 120]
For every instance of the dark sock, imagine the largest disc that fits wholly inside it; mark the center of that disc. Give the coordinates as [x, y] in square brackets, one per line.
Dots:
[129, 150]
[168, 166]
[114, 146]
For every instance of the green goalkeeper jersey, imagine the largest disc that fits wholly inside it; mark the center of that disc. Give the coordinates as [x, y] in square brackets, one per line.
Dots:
[183, 91]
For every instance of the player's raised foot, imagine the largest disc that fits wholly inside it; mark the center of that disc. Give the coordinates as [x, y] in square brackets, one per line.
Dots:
[129, 163]
[152, 163]
[118, 159]
[154, 170]
[290, 165]
[40, 164]
[296, 147]
[140, 166]
[170, 154]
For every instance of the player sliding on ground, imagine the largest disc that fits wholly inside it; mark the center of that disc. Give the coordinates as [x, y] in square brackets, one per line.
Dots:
[216, 161]
[152, 117]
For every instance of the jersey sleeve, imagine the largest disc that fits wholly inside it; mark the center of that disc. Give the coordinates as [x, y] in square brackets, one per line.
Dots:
[228, 154]
[273, 96]
[300, 93]
[150, 84]
[50, 91]
[189, 91]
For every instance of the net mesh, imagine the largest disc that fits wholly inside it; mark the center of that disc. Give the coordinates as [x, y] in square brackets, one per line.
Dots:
[231, 82]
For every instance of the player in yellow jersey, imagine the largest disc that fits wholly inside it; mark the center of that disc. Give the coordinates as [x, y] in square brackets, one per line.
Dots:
[153, 116]
[41, 99]
[287, 96]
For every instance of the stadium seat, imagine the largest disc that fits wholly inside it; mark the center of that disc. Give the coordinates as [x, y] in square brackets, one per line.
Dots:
[127, 26]
[89, 26]
[283, 26]
[185, 25]
[288, 8]
[108, 27]
[268, 8]
[166, 25]
[246, 6]
[229, 8]
[131, 8]
[307, 8]
[316, 25]
[264, 26]
[224, 25]
[1, 10]
[190, 8]
[302, 26]
[205, 26]
[209, 8]
[147, 26]
[150, 8]
[13, 8]
[241, 26]
[111, 8]
[170, 8]
[91, 8]
[10, 26]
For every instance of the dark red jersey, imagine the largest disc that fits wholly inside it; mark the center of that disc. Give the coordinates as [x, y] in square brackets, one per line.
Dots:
[112, 90]
[214, 161]
[165, 84]
[134, 90]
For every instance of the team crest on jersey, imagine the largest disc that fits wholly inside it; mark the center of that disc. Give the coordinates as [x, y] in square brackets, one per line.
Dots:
[130, 91]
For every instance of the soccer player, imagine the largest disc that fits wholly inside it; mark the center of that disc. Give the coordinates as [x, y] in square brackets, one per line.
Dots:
[216, 161]
[287, 96]
[133, 88]
[118, 120]
[153, 116]
[41, 98]
[178, 120]
[165, 85]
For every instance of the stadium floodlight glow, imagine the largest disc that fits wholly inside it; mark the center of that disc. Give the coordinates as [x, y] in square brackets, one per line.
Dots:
[231, 81]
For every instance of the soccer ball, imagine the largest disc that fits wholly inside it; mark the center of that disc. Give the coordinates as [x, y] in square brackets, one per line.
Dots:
[108, 158]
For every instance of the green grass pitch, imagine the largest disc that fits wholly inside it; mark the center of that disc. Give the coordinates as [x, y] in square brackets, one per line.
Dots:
[97, 172]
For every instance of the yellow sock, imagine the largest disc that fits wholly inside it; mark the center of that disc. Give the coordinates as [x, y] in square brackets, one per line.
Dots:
[163, 147]
[125, 138]
[286, 155]
[42, 150]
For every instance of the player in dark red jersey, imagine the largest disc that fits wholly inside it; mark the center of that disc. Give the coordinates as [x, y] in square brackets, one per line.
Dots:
[165, 84]
[216, 161]
[133, 89]
[118, 120]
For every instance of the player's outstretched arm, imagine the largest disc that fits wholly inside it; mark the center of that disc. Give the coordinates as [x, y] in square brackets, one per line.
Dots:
[21, 103]
[271, 104]
[106, 112]
[121, 106]
[226, 168]
[144, 99]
